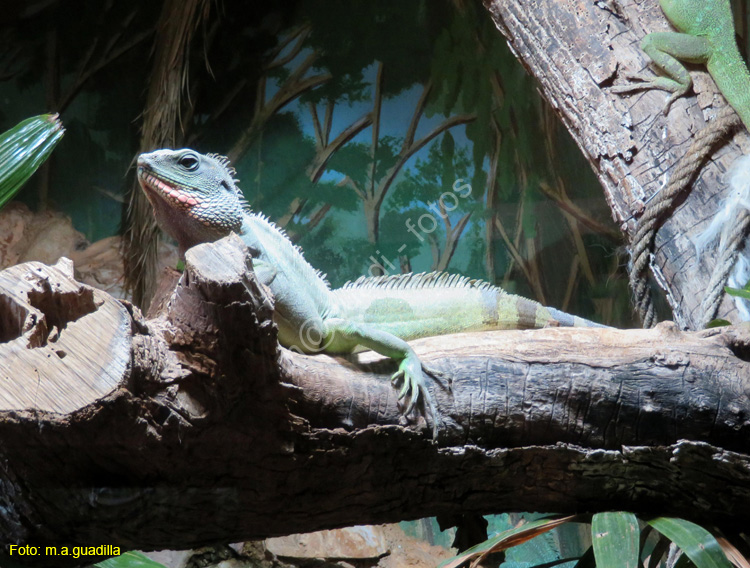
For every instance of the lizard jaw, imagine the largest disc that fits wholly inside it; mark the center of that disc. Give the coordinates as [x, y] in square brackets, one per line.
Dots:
[165, 191]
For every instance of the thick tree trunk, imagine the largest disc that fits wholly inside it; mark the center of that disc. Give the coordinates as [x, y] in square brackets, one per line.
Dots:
[577, 51]
[193, 426]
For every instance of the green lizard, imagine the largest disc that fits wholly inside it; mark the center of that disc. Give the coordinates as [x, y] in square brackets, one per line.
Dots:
[707, 38]
[195, 199]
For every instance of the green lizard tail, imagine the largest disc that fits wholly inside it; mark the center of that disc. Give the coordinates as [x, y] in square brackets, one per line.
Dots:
[435, 303]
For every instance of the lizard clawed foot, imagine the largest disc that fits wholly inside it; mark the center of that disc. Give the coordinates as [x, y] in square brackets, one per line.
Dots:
[413, 387]
[672, 98]
[639, 82]
[439, 377]
[643, 82]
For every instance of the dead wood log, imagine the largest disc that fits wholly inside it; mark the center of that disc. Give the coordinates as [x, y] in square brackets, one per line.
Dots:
[577, 51]
[194, 427]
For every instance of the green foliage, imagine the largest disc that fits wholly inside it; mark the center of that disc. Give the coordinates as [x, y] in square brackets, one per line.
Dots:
[618, 540]
[558, 547]
[341, 261]
[501, 542]
[615, 540]
[718, 322]
[23, 149]
[743, 292]
[435, 174]
[129, 560]
[696, 542]
[247, 53]
[274, 173]
[350, 37]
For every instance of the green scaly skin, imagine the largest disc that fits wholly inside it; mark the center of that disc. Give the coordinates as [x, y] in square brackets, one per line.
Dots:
[707, 38]
[195, 199]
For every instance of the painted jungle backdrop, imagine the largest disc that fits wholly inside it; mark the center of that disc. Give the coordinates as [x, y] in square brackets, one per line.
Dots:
[385, 137]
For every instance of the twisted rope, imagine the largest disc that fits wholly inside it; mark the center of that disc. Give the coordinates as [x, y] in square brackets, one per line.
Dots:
[684, 172]
[711, 303]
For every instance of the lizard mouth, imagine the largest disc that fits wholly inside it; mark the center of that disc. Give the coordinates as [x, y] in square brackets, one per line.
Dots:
[165, 190]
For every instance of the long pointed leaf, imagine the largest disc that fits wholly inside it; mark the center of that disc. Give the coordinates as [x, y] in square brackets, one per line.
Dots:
[23, 149]
[505, 540]
[696, 542]
[734, 555]
[739, 292]
[615, 540]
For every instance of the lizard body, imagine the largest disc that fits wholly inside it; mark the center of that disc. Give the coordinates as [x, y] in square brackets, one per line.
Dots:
[195, 199]
[706, 36]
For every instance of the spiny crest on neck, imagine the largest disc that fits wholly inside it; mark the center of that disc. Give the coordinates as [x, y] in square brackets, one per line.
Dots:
[224, 161]
[300, 255]
[419, 281]
[231, 172]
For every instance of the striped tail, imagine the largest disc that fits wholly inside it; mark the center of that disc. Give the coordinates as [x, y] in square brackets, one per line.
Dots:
[567, 320]
[435, 303]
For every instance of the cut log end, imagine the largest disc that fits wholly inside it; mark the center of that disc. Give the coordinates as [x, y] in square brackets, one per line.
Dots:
[63, 345]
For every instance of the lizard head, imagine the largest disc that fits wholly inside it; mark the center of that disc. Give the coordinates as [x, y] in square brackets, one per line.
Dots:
[194, 196]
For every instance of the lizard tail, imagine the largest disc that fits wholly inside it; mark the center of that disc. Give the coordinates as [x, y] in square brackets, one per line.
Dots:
[568, 320]
[533, 315]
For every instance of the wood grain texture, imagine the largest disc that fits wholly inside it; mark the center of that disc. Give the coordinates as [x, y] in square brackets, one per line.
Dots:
[215, 434]
[64, 344]
[577, 50]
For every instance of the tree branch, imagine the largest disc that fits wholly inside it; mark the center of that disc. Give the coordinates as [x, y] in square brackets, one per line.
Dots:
[198, 404]
[320, 141]
[106, 58]
[376, 106]
[415, 118]
[300, 35]
[628, 140]
[295, 85]
[318, 165]
[407, 153]
[522, 263]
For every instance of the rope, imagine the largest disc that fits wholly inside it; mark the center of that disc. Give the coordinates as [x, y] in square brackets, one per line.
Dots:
[711, 303]
[645, 232]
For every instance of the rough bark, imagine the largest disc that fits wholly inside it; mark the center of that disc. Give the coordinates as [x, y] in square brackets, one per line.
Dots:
[162, 114]
[195, 427]
[577, 50]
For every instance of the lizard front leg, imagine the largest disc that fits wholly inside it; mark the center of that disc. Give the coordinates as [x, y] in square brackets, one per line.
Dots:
[668, 50]
[343, 336]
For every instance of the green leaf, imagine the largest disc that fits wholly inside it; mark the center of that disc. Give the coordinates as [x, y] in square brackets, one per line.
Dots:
[505, 540]
[615, 540]
[718, 323]
[739, 292]
[129, 560]
[696, 542]
[23, 149]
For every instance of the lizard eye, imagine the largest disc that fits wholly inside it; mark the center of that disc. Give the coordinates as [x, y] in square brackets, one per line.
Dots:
[189, 162]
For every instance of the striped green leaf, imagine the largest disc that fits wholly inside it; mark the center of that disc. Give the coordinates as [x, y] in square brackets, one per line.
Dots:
[129, 560]
[696, 542]
[503, 541]
[615, 540]
[23, 149]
